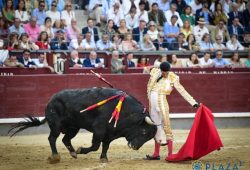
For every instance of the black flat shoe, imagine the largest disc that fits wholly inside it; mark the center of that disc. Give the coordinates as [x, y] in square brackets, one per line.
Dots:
[148, 157]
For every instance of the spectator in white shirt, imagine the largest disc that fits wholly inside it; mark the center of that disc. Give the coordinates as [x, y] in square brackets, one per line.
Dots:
[4, 54]
[132, 19]
[116, 14]
[104, 43]
[21, 12]
[53, 13]
[142, 13]
[206, 61]
[98, 10]
[196, 4]
[41, 62]
[67, 14]
[75, 44]
[152, 31]
[218, 43]
[87, 43]
[200, 29]
[234, 44]
[172, 11]
[128, 4]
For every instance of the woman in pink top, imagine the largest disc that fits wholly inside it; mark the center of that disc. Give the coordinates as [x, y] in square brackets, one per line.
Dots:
[129, 44]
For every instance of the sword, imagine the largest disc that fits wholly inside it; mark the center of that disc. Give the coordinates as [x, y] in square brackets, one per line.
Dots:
[101, 78]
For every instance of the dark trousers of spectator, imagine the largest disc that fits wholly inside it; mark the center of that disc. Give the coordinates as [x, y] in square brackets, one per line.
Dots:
[83, 3]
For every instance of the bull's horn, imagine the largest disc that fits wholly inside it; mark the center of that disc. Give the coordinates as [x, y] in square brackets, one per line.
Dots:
[149, 121]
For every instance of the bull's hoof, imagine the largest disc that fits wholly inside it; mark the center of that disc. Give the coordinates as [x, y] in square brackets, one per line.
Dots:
[82, 150]
[78, 151]
[73, 154]
[104, 160]
[53, 159]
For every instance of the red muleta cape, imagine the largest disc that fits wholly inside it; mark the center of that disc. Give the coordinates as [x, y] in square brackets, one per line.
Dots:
[203, 137]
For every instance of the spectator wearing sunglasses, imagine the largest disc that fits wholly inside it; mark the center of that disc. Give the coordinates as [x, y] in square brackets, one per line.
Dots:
[53, 13]
[39, 13]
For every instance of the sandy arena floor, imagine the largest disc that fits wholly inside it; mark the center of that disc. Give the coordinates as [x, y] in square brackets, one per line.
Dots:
[31, 152]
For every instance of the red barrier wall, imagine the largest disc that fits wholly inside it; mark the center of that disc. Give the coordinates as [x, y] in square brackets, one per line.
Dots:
[21, 95]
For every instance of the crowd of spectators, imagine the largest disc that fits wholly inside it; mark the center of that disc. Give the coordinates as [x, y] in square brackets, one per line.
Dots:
[131, 25]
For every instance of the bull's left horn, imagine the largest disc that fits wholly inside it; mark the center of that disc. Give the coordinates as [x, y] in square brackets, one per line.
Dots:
[149, 121]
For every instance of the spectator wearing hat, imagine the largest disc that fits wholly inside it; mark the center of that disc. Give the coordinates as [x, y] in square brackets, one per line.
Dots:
[236, 28]
[221, 30]
[142, 13]
[26, 60]
[16, 27]
[179, 43]
[171, 31]
[234, 44]
[140, 31]
[59, 42]
[173, 11]
[131, 19]
[200, 29]
[162, 44]
[157, 15]
[90, 28]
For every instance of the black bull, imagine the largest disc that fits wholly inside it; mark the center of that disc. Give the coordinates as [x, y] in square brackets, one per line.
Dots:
[63, 115]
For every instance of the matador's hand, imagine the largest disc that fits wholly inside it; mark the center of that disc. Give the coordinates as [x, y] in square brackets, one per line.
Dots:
[196, 105]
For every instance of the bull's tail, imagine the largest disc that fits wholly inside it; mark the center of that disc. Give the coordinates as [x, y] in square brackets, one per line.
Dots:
[29, 122]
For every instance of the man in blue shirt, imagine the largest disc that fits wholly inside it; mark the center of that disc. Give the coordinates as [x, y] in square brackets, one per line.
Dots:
[16, 27]
[171, 31]
[39, 13]
[60, 4]
[219, 61]
[104, 43]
